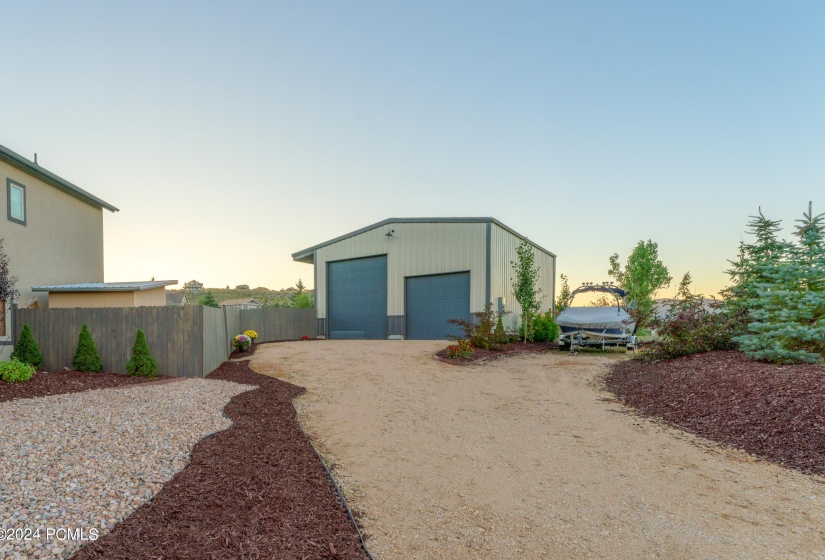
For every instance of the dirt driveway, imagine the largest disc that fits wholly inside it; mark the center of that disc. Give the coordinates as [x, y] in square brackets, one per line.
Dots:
[528, 457]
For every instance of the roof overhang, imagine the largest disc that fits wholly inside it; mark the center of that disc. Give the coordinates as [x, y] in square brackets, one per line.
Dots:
[16, 160]
[308, 255]
[106, 286]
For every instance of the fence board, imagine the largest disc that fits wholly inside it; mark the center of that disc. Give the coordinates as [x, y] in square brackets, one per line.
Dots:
[188, 341]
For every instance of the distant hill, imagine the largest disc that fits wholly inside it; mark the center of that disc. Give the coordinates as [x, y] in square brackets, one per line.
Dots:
[264, 295]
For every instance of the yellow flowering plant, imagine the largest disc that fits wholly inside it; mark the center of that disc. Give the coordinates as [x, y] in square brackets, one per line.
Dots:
[251, 334]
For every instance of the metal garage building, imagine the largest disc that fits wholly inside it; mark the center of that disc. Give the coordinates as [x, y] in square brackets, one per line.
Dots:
[404, 277]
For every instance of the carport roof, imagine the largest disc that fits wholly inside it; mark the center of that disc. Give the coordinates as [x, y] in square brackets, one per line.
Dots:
[308, 254]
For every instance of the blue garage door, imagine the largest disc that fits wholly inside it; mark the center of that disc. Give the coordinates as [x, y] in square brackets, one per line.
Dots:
[357, 292]
[432, 300]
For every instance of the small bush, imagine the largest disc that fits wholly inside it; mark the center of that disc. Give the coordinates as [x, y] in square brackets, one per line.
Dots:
[691, 327]
[15, 371]
[499, 334]
[26, 349]
[141, 363]
[86, 358]
[463, 349]
[545, 328]
[480, 332]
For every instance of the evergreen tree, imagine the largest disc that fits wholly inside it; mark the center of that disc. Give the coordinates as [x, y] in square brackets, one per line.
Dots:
[785, 297]
[26, 349]
[141, 363]
[754, 261]
[209, 300]
[86, 358]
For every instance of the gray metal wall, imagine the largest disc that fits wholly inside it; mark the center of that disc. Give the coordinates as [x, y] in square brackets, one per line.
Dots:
[414, 249]
[186, 341]
[503, 246]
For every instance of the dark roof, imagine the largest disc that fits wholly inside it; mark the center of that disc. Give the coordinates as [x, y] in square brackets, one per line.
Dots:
[175, 297]
[16, 160]
[307, 254]
[106, 286]
[239, 301]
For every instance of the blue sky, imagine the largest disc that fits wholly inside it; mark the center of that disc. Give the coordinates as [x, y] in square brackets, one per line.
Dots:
[233, 134]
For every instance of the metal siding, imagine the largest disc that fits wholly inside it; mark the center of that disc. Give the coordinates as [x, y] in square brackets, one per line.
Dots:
[502, 252]
[357, 293]
[414, 249]
[432, 300]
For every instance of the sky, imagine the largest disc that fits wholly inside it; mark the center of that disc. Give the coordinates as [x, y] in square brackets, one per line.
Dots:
[233, 134]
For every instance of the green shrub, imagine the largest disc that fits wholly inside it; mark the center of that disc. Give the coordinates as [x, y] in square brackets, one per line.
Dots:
[543, 328]
[499, 334]
[86, 358]
[141, 363]
[546, 329]
[15, 371]
[26, 349]
[689, 326]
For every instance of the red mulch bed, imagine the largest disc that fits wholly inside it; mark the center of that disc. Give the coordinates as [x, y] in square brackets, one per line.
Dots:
[42, 384]
[512, 349]
[249, 351]
[774, 412]
[256, 490]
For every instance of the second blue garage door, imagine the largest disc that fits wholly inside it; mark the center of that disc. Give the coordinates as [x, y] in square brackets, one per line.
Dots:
[357, 291]
[432, 300]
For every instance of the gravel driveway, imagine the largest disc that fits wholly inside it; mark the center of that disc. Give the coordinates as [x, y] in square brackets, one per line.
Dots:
[528, 457]
[84, 461]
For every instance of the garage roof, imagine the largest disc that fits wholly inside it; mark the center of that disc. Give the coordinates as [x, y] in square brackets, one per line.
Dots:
[307, 255]
[106, 286]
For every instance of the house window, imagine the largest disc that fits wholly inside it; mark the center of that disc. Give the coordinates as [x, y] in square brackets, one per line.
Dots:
[16, 199]
[2, 317]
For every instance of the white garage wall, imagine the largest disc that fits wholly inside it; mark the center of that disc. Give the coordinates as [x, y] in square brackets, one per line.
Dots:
[414, 249]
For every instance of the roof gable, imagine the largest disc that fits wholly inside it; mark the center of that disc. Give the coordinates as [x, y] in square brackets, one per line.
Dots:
[29, 167]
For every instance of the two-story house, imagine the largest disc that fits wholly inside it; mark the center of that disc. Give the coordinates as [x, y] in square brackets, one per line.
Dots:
[52, 232]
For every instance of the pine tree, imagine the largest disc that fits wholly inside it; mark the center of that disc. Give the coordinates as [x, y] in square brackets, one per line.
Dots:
[141, 363]
[26, 349]
[209, 300]
[754, 259]
[787, 311]
[86, 358]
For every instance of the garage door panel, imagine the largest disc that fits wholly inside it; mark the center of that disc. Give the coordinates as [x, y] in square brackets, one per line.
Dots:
[357, 291]
[432, 300]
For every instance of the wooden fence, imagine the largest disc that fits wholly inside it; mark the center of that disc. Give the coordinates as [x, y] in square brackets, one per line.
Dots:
[186, 341]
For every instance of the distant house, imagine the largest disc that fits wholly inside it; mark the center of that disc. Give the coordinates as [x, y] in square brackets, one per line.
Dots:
[176, 298]
[243, 303]
[53, 233]
[193, 286]
[107, 294]
[242, 287]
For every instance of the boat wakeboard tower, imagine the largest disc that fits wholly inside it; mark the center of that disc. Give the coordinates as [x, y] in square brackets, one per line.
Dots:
[587, 326]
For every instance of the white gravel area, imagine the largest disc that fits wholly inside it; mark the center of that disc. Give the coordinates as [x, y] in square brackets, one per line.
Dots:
[82, 462]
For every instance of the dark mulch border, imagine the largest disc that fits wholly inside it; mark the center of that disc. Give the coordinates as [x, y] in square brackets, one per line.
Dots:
[512, 349]
[256, 490]
[774, 412]
[43, 384]
[236, 354]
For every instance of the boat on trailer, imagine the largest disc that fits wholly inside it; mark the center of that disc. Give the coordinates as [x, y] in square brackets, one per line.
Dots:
[597, 326]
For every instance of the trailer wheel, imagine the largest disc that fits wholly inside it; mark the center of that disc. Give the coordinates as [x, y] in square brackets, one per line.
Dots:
[562, 347]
